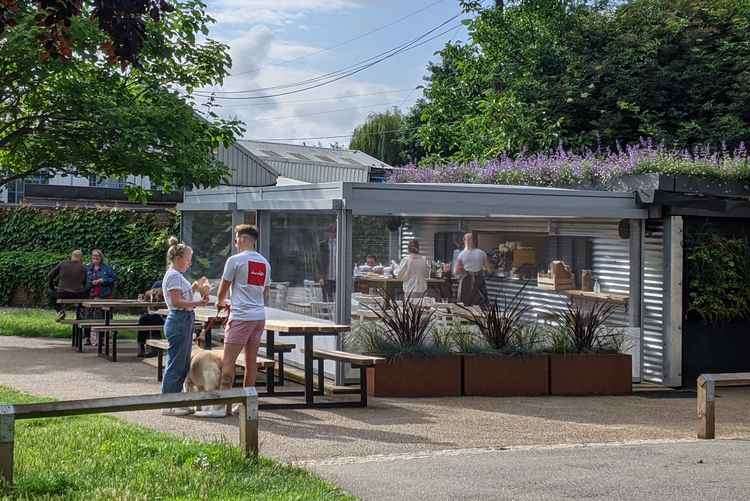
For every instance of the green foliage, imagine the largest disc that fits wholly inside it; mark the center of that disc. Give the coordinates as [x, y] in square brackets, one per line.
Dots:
[379, 136]
[540, 73]
[88, 117]
[34, 240]
[101, 457]
[718, 270]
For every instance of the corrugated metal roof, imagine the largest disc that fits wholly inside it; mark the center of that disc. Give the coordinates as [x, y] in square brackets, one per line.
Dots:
[245, 167]
[314, 164]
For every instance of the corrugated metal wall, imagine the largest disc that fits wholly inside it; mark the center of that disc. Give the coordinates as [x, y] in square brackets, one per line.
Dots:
[246, 170]
[318, 173]
[652, 305]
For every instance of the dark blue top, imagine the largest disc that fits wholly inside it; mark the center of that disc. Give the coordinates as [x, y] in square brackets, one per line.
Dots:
[108, 280]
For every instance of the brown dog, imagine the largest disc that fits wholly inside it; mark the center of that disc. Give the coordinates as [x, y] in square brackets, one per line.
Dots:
[205, 375]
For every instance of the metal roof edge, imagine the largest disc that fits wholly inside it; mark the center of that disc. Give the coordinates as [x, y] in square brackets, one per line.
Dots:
[249, 153]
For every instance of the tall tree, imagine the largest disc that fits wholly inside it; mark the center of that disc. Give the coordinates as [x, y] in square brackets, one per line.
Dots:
[83, 115]
[539, 73]
[379, 136]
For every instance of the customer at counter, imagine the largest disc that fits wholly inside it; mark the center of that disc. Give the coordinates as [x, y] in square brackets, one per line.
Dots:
[470, 266]
[413, 272]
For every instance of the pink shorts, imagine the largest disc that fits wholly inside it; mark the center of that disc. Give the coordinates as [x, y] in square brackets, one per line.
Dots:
[244, 331]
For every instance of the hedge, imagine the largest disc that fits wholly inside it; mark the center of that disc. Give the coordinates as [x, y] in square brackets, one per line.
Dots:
[28, 271]
[118, 233]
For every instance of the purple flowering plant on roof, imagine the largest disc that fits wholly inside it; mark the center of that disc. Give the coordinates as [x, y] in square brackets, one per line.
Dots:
[588, 169]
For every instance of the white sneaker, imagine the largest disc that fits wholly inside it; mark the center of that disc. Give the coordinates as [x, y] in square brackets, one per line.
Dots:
[212, 413]
[177, 411]
[236, 409]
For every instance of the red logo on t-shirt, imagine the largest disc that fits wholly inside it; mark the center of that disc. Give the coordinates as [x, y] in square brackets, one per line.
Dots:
[256, 273]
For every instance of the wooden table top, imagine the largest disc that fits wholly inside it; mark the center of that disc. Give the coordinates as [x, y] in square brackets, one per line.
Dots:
[608, 297]
[286, 326]
[122, 303]
[390, 280]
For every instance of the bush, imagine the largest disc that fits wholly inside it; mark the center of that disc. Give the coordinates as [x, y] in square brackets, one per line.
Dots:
[28, 270]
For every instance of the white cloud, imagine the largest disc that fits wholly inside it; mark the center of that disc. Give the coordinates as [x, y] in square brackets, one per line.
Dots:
[273, 12]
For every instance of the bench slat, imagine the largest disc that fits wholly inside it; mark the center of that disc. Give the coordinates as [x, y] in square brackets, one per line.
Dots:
[92, 322]
[104, 328]
[264, 363]
[343, 356]
[726, 379]
[133, 403]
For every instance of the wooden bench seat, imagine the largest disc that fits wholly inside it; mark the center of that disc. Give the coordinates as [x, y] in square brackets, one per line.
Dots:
[279, 349]
[111, 331]
[162, 345]
[362, 362]
[707, 384]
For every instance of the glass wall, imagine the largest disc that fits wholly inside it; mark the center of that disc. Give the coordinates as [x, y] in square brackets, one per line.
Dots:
[210, 235]
[303, 257]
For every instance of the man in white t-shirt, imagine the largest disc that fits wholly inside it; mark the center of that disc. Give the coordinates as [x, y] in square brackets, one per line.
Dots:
[247, 273]
[470, 267]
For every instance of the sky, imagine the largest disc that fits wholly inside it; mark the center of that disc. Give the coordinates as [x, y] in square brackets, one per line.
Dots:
[277, 42]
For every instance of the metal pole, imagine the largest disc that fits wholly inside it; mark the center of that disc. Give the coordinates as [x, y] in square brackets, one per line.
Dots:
[673, 228]
[263, 223]
[7, 437]
[344, 278]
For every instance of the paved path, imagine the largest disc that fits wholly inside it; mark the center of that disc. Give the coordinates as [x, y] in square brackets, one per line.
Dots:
[660, 471]
[388, 427]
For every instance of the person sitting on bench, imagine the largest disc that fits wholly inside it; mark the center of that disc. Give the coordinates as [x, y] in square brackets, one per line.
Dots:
[67, 280]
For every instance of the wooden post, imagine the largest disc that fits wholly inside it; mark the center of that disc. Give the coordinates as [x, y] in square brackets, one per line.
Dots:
[706, 401]
[7, 433]
[249, 423]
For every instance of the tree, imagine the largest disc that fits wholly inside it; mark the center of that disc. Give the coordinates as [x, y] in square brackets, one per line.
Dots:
[541, 73]
[86, 116]
[379, 136]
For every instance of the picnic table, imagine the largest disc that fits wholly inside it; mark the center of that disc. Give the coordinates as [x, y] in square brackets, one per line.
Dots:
[107, 306]
[308, 329]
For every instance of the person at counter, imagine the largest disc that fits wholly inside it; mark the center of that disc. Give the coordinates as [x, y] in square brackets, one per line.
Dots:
[413, 272]
[372, 262]
[470, 266]
[327, 264]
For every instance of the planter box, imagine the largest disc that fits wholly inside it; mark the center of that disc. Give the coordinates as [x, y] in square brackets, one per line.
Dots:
[505, 376]
[591, 374]
[416, 377]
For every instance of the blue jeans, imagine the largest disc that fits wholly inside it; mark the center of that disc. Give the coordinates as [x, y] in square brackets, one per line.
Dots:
[179, 331]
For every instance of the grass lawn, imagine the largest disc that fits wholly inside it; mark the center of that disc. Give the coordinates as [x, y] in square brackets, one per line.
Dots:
[101, 457]
[31, 322]
[37, 322]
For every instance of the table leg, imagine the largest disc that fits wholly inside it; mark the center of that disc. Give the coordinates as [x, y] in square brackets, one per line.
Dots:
[309, 370]
[281, 369]
[269, 354]
[160, 366]
[114, 346]
[208, 341]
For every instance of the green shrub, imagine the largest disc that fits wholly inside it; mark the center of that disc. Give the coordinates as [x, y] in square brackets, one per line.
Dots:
[28, 270]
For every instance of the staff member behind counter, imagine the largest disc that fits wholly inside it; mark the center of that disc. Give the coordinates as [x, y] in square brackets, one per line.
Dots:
[470, 266]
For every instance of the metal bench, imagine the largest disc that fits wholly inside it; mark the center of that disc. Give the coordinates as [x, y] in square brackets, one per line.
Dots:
[78, 331]
[361, 362]
[161, 346]
[248, 397]
[707, 384]
[278, 349]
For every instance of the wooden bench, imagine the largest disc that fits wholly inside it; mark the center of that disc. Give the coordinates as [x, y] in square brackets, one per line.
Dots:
[247, 397]
[707, 384]
[111, 331]
[361, 362]
[78, 326]
[278, 349]
[162, 345]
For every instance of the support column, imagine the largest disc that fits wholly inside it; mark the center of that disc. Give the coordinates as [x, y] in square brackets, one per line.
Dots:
[238, 217]
[673, 232]
[635, 303]
[7, 438]
[394, 246]
[186, 227]
[263, 223]
[344, 278]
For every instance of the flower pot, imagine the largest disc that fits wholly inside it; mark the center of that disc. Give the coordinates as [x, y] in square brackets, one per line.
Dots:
[416, 377]
[590, 374]
[506, 376]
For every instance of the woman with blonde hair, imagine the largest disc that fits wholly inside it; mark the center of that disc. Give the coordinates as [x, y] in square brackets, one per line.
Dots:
[413, 272]
[100, 283]
[178, 328]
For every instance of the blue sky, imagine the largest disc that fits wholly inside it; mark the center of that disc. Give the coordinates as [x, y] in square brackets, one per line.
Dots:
[277, 42]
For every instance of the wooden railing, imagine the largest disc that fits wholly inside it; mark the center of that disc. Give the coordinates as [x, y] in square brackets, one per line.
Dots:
[247, 397]
[707, 384]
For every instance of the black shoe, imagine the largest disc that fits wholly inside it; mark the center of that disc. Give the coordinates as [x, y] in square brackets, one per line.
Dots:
[141, 351]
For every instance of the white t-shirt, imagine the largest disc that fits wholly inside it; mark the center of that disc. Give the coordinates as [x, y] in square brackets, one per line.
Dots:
[173, 280]
[473, 260]
[413, 272]
[250, 274]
